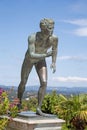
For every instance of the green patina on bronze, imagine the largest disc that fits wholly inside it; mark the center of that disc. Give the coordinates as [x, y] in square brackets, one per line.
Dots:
[39, 44]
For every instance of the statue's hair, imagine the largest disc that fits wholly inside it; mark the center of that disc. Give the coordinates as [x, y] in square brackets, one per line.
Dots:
[45, 22]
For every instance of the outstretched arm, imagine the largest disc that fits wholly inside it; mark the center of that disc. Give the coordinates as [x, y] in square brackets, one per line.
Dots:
[54, 54]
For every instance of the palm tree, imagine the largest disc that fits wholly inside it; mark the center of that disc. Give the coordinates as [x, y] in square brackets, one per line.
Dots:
[74, 110]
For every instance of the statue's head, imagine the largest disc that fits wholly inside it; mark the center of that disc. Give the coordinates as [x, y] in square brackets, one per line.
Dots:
[47, 26]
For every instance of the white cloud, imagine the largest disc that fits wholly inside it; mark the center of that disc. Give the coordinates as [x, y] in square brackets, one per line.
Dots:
[77, 58]
[64, 57]
[79, 22]
[82, 23]
[70, 79]
[81, 31]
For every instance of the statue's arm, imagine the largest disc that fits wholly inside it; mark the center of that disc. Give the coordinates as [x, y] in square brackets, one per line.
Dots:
[54, 53]
[32, 53]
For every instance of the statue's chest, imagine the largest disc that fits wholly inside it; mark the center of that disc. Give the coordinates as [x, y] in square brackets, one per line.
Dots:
[42, 45]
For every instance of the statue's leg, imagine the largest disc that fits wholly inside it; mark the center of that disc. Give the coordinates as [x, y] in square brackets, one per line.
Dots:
[42, 73]
[26, 68]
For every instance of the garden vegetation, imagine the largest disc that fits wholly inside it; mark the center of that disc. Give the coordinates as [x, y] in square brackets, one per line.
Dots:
[72, 109]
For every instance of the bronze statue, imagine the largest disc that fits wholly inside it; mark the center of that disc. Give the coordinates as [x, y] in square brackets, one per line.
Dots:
[38, 45]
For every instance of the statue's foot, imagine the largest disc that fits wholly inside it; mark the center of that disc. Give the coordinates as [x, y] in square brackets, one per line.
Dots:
[19, 106]
[39, 112]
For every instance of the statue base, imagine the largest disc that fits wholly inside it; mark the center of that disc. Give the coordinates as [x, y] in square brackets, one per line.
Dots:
[29, 120]
[31, 114]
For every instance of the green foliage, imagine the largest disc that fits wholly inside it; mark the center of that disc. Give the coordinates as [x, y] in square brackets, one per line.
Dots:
[4, 103]
[13, 111]
[3, 123]
[49, 102]
[64, 127]
[30, 105]
[6, 108]
[72, 109]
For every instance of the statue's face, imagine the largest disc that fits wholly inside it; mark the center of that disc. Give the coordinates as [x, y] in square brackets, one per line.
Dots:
[48, 29]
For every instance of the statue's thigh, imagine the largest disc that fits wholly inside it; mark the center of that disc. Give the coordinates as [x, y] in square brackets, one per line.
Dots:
[41, 69]
[26, 69]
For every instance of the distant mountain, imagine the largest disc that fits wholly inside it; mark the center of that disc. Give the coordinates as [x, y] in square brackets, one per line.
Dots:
[68, 90]
[62, 90]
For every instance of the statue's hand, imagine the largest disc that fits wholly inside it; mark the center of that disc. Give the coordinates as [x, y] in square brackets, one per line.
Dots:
[49, 53]
[53, 67]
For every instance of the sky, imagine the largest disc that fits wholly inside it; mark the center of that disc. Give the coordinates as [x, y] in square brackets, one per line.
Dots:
[21, 18]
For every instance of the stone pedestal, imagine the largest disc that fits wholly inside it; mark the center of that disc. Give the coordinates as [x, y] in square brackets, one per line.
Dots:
[31, 121]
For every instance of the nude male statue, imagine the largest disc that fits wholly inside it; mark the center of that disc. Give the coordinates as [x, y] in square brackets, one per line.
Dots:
[38, 45]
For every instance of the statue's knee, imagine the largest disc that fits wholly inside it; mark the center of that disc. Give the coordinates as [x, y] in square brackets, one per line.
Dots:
[44, 84]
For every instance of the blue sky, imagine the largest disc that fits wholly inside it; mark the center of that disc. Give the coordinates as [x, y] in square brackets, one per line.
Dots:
[20, 18]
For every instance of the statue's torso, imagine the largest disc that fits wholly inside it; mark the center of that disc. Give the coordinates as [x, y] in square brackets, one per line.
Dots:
[41, 44]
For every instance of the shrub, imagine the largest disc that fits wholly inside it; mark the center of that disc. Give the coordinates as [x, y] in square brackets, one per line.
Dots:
[6, 108]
